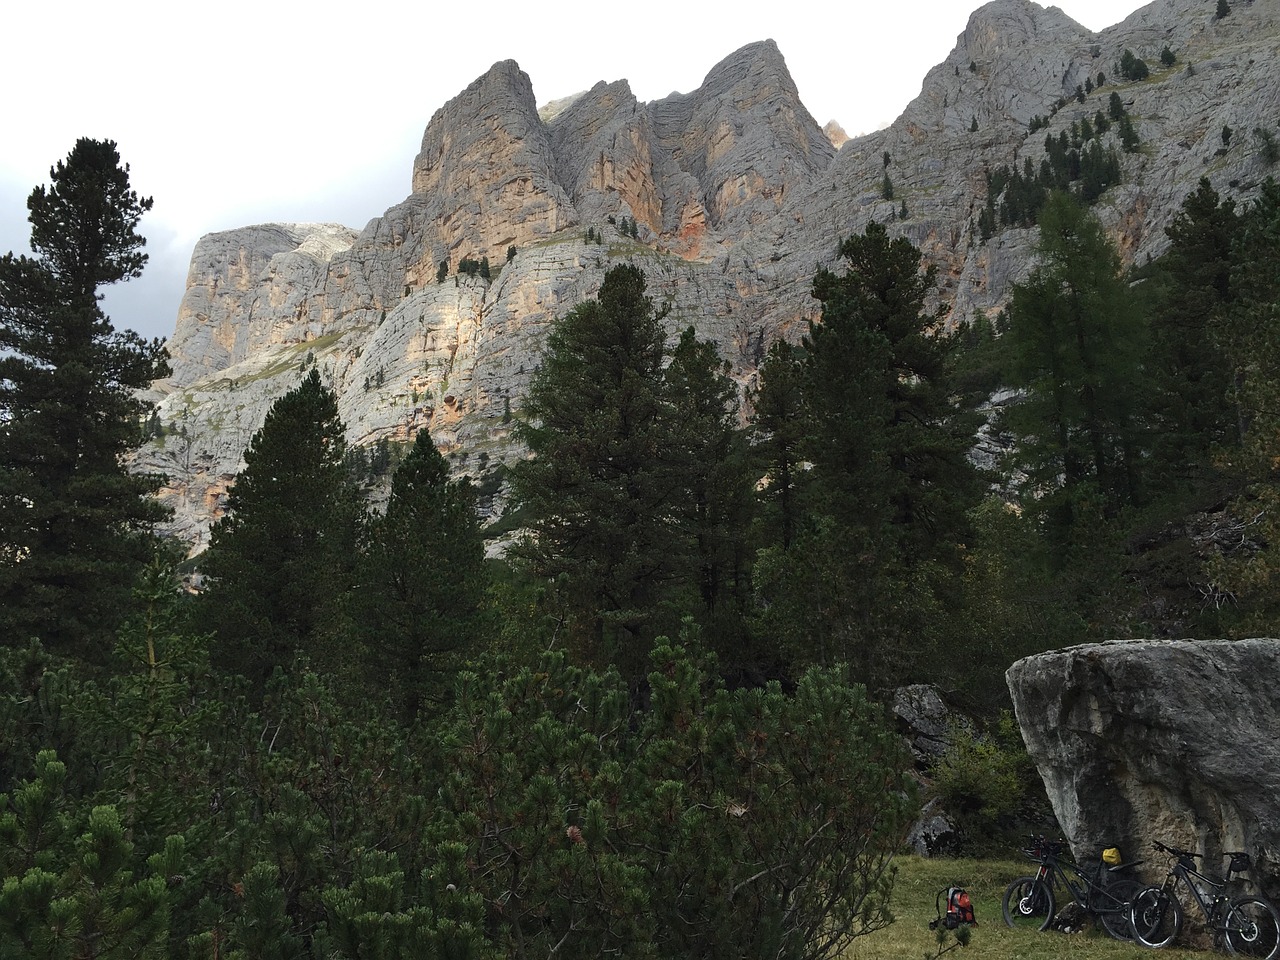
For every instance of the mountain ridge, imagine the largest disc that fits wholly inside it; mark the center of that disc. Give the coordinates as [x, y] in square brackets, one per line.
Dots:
[736, 196]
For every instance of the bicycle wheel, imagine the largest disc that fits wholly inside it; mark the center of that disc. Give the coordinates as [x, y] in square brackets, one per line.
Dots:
[1111, 905]
[1028, 904]
[1252, 929]
[1155, 917]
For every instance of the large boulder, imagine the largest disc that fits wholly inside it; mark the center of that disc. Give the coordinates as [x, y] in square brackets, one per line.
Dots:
[1159, 740]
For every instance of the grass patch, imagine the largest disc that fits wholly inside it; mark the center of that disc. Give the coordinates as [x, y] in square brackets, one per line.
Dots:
[919, 880]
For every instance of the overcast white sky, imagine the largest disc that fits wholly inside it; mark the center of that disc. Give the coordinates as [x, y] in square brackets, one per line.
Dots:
[238, 112]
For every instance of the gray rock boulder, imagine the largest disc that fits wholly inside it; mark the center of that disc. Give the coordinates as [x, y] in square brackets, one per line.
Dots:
[1159, 740]
[924, 720]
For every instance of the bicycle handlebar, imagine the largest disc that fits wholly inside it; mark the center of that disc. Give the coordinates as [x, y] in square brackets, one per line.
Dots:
[1165, 848]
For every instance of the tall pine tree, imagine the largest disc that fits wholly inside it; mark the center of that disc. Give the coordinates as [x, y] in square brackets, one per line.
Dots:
[886, 498]
[281, 559]
[1189, 369]
[713, 506]
[419, 606]
[596, 491]
[75, 526]
[1074, 346]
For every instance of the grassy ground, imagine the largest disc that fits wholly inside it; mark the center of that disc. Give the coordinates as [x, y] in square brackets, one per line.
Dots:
[909, 937]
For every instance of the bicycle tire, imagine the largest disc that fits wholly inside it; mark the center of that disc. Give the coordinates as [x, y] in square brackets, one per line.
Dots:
[1252, 929]
[1113, 914]
[1155, 917]
[1028, 904]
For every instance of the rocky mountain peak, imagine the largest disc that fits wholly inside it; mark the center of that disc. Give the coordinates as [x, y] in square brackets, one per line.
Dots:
[486, 168]
[727, 196]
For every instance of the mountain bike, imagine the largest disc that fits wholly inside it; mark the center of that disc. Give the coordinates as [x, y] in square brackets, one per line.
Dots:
[1032, 902]
[1249, 926]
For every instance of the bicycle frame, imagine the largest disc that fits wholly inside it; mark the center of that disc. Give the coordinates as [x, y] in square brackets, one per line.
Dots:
[1082, 889]
[1210, 908]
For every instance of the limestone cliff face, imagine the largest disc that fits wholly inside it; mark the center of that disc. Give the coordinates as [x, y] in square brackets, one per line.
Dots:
[736, 194]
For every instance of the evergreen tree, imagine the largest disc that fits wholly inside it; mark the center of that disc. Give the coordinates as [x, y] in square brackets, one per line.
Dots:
[1251, 338]
[708, 460]
[1189, 370]
[1115, 106]
[1074, 346]
[879, 359]
[81, 899]
[890, 482]
[780, 426]
[419, 603]
[75, 526]
[597, 492]
[1133, 67]
[280, 559]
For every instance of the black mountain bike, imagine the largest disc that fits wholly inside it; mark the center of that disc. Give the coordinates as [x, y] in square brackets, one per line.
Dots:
[1032, 902]
[1248, 926]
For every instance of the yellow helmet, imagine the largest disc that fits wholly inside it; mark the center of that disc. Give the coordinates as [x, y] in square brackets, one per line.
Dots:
[1111, 856]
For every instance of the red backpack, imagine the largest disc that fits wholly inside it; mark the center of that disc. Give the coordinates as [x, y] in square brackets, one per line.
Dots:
[959, 909]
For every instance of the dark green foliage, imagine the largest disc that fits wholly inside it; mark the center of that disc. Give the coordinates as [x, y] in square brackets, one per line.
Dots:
[713, 501]
[886, 187]
[780, 430]
[1133, 67]
[485, 272]
[1089, 170]
[752, 823]
[878, 360]
[84, 901]
[1249, 338]
[442, 271]
[1037, 123]
[1115, 106]
[1226, 135]
[597, 490]
[1223, 10]
[638, 492]
[1128, 135]
[1167, 57]
[1073, 345]
[1189, 371]
[75, 525]
[419, 608]
[973, 124]
[1268, 148]
[987, 782]
[280, 560]
[511, 253]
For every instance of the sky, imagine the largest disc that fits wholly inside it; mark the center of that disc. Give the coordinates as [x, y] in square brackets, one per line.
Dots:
[235, 113]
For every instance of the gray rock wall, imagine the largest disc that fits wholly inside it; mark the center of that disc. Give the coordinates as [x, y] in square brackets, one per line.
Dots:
[1176, 741]
[738, 198]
